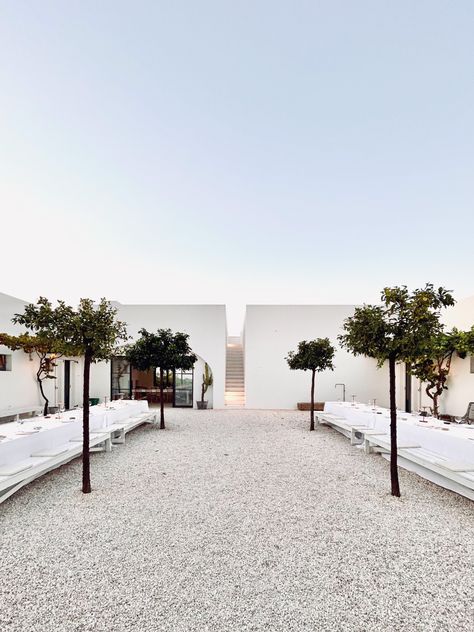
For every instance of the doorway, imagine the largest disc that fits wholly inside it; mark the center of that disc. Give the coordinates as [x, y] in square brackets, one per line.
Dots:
[67, 384]
[408, 389]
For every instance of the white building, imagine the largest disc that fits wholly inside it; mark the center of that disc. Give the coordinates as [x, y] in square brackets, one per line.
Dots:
[249, 371]
[205, 324]
[271, 331]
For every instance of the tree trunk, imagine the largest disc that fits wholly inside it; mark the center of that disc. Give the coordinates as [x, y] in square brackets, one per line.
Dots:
[46, 400]
[433, 393]
[311, 426]
[40, 383]
[162, 404]
[203, 392]
[393, 430]
[86, 470]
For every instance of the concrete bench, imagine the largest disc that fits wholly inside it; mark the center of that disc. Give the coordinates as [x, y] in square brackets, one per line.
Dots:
[340, 424]
[458, 476]
[13, 414]
[15, 476]
[438, 468]
[98, 441]
[358, 434]
[377, 443]
[119, 430]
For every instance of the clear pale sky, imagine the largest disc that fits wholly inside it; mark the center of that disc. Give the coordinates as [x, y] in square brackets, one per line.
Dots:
[235, 152]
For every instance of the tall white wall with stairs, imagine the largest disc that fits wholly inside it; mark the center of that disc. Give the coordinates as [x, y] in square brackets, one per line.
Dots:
[234, 376]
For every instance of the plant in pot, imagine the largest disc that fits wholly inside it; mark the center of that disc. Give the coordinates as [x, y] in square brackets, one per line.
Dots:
[207, 381]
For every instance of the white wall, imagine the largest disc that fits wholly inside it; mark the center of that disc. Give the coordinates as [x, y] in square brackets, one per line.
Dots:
[206, 326]
[18, 387]
[273, 330]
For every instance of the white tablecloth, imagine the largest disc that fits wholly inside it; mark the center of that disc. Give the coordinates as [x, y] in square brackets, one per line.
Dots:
[59, 429]
[453, 441]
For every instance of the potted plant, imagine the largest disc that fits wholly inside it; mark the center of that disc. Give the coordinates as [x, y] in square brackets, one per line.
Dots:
[207, 381]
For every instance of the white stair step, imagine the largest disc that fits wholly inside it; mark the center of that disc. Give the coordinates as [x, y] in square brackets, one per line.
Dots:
[235, 374]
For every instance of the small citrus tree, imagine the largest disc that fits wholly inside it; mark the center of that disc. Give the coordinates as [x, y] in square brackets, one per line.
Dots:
[44, 346]
[91, 331]
[315, 356]
[434, 366]
[399, 330]
[166, 350]
[95, 330]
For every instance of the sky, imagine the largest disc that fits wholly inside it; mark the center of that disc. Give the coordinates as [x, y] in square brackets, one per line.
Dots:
[235, 152]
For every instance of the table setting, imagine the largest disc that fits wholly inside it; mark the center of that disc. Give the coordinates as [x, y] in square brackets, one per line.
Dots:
[455, 441]
[19, 439]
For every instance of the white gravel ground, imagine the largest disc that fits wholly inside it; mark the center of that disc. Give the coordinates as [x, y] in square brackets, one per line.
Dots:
[236, 520]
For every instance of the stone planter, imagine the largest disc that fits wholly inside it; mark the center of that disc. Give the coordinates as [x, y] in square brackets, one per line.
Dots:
[201, 405]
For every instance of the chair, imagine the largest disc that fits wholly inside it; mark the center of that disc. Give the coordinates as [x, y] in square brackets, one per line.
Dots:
[469, 416]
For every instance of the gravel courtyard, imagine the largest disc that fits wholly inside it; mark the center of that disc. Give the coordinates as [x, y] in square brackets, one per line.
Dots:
[236, 520]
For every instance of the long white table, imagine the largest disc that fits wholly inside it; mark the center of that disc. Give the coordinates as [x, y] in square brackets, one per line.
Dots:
[21, 439]
[453, 441]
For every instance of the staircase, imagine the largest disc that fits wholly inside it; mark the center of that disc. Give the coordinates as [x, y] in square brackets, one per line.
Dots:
[234, 376]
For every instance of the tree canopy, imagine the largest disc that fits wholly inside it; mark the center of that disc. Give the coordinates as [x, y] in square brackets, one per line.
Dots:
[312, 355]
[163, 349]
[72, 331]
[402, 327]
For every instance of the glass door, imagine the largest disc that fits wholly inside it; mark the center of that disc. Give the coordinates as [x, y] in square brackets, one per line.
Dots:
[183, 388]
[121, 378]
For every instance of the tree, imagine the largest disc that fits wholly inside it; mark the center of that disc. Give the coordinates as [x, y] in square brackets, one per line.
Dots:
[167, 350]
[433, 368]
[42, 338]
[46, 348]
[95, 330]
[91, 331]
[315, 356]
[399, 330]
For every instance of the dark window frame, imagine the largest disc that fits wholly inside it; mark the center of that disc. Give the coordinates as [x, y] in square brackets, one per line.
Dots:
[155, 381]
[5, 362]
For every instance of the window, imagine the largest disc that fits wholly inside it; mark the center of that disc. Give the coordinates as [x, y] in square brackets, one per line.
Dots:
[5, 362]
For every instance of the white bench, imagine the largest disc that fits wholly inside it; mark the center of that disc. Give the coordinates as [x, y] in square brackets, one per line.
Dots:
[98, 441]
[378, 443]
[437, 468]
[16, 412]
[340, 424]
[457, 476]
[15, 476]
[120, 429]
